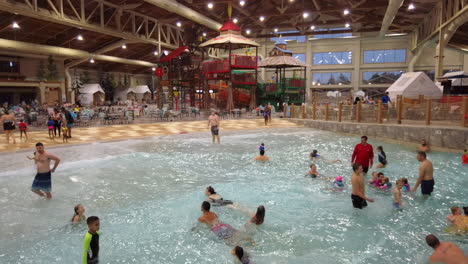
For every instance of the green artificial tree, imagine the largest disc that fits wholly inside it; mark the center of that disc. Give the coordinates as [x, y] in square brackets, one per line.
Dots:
[41, 72]
[77, 84]
[52, 74]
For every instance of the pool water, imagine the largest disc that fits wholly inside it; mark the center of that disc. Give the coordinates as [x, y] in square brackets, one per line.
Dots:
[148, 195]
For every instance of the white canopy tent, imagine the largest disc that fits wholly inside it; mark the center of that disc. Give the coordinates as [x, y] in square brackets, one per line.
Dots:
[458, 78]
[413, 84]
[91, 94]
[141, 92]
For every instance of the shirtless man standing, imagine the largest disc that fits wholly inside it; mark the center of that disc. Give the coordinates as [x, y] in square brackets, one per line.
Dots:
[358, 196]
[213, 122]
[424, 146]
[425, 179]
[445, 252]
[42, 183]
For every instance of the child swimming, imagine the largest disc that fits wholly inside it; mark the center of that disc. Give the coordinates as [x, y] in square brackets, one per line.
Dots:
[397, 194]
[79, 214]
[385, 184]
[338, 183]
[313, 171]
[406, 186]
[261, 147]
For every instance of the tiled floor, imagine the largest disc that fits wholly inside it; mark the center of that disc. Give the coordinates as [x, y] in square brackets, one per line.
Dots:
[116, 132]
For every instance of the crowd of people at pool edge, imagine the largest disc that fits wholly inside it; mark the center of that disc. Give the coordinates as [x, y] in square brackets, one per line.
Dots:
[362, 160]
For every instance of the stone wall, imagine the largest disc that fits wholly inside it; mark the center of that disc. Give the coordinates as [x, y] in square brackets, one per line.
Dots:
[445, 137]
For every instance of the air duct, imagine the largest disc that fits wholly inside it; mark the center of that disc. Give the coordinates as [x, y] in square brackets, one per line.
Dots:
[390, 14]
[177, 8]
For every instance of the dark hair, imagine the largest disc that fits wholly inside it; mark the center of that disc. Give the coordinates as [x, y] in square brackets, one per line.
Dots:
[314, 151]
[239, 252]
[380, 173]
[210, 190]
[21, 120]
[76, 211]
[422, 154]
[465, 210]
[404, 180]
[432, 241]
[364, 137]
[260, 215]
[380, 147]
[356, 166]
[262, 152]
[206, 206]
[263, 144]
[92, 219]
[39, 144]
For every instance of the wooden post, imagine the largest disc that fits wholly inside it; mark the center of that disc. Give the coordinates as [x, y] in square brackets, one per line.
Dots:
[464, 112]
[399, 108]
[428, 111]
[358, 112]
[285, 109]
[421, 98]
[379, 113]
[326, 112]
[303, 111]
[340, 110]
[314, 109]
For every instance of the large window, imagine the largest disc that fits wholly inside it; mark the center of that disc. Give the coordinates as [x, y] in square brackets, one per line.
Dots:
[290, 38]
[300, 56]
[331, 78]
[385, 56]
[340, 57]
[331, 35]
[388, 77]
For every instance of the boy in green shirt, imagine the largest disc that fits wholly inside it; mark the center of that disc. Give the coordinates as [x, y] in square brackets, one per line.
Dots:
[91, 241]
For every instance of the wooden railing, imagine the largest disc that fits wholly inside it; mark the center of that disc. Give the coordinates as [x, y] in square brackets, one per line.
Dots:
[404, 111]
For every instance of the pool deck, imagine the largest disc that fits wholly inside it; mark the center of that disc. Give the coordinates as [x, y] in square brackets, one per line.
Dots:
[82, 135]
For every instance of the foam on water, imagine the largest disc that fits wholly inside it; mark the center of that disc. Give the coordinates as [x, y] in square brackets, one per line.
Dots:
[148, 195]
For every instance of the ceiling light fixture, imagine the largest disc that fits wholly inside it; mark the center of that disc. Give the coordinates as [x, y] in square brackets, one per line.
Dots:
[155, 53]
[276, 30]
[204, 34]
[153, 69]
[210, 5]
[312, 27]
[247, 31]
[262, 18]
[124, 46]
[15, 25]
[179, 24]
[347, 25]
[305, 15]
[241, 3]
[235, 20]
[91, 60]
[346, 12]
[411, 6]
[166, 52]
[80, 37]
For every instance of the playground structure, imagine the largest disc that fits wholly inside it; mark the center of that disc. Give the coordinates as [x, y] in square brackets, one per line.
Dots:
[230, 82]
[180, 80]
[283, 90]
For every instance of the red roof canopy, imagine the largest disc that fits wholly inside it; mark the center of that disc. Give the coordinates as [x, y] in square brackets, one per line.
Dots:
[174, 53]
[229, 25]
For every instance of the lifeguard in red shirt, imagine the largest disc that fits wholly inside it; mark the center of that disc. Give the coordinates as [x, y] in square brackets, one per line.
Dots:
[363, 154]
[465, 158]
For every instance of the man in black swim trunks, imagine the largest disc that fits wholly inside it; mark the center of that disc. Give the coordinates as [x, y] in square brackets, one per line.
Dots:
[426, 175]
[213, 122]
[358, 196]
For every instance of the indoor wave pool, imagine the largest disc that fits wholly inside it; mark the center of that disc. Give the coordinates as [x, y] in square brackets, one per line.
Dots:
[148, 193]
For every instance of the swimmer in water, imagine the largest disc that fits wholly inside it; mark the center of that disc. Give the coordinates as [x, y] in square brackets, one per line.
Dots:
[338, 183]
[386, 184]
[374, 178]
[445, 252]
[220, 229]
[259, 216]
[424, 147]
[214, 198]
[240, 255]
[314, 156]
[261, 147]
[456, 211]
[79, 214]
[382, 158]
[406, 186]
[262, 157]
[397, 195]
[91, 241]
[313, 171]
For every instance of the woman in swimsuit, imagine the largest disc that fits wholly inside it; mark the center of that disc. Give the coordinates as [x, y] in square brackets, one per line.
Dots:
[240, 255]
[259, 217]
[57, 118]
[214, 198]
[79, 214]
[382, 158]
[9, 121]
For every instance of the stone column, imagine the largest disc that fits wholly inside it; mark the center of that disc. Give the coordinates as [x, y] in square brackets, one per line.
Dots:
[356, 74]
[42, 92]
[308, 90]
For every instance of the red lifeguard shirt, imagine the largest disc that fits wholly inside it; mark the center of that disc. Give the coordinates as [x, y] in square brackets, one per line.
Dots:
[363, 155]
[22, 126]
[465, 158]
